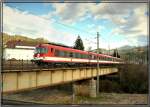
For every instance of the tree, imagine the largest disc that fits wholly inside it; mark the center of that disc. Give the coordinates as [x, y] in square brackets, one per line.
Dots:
[116, 54]
[79, 44]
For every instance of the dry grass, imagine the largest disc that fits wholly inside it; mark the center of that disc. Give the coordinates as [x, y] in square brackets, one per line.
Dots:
[55, 96]
[114, 98]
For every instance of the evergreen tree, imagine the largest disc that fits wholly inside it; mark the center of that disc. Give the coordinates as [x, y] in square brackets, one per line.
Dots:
[118, 56]
[114, 54]
[79, 44]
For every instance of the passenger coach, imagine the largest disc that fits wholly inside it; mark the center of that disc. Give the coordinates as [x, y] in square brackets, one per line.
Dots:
[57, 54]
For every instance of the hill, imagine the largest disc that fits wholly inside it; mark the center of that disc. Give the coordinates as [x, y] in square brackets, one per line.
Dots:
[22, 40]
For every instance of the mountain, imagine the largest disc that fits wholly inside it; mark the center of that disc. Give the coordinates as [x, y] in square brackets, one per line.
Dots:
[12, 40]
[126, 47]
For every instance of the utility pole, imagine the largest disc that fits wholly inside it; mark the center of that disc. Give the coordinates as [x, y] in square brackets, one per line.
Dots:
[108, 49]
[97, 64]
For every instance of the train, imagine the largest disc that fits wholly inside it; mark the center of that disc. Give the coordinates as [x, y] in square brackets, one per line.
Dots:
[52, 54]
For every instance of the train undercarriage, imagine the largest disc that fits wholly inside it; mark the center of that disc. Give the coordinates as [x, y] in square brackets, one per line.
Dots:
[68, 64]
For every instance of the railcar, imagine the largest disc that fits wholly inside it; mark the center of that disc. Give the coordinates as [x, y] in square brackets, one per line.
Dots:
[57, 54]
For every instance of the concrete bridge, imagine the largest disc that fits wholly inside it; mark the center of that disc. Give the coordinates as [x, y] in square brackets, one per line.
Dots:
[18, 80]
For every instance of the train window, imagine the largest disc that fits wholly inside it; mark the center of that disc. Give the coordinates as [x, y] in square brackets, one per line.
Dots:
[68, 54]
[90, 57]
[95, 57]
[57, 52]
[65, 54]
[107, 59]
[71, 54]
[103, 58]
[79, 55]
[61, 53]
[86, 56]
[110, 59]
[99, 58]
[41, 50]
[83, 56]
[76, 55]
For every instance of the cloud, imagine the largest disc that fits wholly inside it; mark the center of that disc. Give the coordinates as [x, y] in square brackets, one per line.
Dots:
[129, 20]
[129, 15]
[26, 24]
[18, 22]
[70, 12]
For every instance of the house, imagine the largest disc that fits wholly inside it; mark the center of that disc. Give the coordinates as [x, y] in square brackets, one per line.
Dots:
[18, 50]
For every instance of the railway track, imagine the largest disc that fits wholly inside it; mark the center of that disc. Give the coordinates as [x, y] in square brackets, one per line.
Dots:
[27, 65]
[47, 69]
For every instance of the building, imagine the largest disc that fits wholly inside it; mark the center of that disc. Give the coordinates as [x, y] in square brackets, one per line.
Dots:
[18, 53]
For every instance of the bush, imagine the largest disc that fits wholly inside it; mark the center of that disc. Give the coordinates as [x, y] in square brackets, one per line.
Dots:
[134, 78]
[109, 86]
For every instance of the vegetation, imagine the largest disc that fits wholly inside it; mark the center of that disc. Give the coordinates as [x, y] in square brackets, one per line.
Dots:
[23, 39]
[116, 54]
[79, 44]
[133, 79]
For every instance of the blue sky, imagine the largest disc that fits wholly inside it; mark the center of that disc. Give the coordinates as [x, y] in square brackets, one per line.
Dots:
[119, 24]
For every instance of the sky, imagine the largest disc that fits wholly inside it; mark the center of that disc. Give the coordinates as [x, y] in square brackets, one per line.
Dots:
[118, 24]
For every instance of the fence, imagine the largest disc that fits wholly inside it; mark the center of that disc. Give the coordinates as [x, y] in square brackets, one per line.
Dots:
[18, 65]
[28, 64]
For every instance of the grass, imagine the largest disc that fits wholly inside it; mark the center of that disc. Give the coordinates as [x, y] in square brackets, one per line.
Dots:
[113, 98]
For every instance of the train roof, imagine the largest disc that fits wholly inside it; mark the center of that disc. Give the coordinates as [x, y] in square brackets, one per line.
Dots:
[58, 44]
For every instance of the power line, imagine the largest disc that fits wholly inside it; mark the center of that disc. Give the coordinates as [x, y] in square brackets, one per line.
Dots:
[74, 28]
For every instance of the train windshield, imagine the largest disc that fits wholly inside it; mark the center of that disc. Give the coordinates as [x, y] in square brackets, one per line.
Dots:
[41, 50]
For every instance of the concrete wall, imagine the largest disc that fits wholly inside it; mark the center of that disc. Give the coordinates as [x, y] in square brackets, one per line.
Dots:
[22, 80]
[85, 88]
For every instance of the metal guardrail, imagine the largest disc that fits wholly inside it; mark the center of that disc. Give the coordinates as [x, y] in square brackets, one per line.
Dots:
[24, 65]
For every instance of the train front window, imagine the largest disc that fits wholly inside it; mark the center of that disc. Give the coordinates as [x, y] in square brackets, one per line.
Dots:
[41, 50]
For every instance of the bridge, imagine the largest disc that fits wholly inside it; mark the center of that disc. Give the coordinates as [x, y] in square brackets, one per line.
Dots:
[18, 80]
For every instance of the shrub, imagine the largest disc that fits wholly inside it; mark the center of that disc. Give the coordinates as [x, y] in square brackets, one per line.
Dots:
[134, 78]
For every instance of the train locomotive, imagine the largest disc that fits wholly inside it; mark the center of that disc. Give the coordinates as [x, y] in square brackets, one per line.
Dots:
[52, 54]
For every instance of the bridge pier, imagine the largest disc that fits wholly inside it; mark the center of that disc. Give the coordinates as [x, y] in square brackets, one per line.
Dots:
[85, 88]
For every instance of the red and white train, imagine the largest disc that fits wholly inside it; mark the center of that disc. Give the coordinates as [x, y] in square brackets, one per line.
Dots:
[56, 54]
